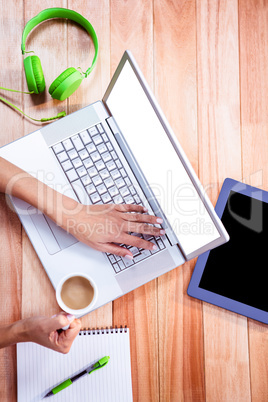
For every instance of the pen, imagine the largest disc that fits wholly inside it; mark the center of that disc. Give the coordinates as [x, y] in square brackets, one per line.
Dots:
[101, 363]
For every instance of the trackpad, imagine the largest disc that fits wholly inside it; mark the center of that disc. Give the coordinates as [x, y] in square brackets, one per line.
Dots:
[145, 271]
[53, 236]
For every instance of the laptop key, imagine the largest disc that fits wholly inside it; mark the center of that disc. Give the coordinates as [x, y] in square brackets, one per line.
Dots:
[77, 163]
[100, 165]
[106, 157]
[97, 180]
[111, 165]
[118, 199]
[85, 137]
[97, 139]
[91, 147]
[67, 165]
[101, 189]
[62, 156]
[90, 189]
[144, 254]
[88, 163]
[129, 199]
[102, 148]
[72, 154]
[72, 175]
[95, 156]
[109, 146]
[127, 262]
[81, 171]
[58, 148]
[83, 154]
[115, 174]
[120, 183]
[116, 268]
[92, 171]
[93, 130]
[113, 191]
[86, 180]
[124, 191]
[121, 265]
[95, 198]
[77, 143]
[99, 126]
[112, 258]
[106, 198]
[67, 144]
[108, 182]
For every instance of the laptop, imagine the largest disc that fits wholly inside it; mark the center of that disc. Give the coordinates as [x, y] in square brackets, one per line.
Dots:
[118, 150]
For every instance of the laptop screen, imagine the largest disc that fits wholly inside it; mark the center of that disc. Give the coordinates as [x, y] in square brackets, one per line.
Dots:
[159, 162]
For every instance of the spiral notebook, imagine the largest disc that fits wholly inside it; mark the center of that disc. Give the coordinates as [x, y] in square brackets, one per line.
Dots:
[39, 369]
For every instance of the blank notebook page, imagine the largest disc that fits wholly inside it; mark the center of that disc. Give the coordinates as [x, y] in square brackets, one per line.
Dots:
[40, 369]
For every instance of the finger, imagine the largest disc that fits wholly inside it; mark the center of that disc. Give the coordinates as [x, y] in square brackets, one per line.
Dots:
[138, 242]
[60, 320]
[130, 208]
[118, 250]
[155, 220]
[66, 338]
[143, 228]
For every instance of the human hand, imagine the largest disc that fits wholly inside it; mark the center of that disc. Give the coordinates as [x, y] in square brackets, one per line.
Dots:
[101, 226]
[44, 331]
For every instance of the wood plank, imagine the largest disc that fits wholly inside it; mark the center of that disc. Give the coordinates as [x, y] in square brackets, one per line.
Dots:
[91, 89]
[132, 28]
[38, 295]
[225, 333]
[11, 24]
[180, 317]
[253, 29]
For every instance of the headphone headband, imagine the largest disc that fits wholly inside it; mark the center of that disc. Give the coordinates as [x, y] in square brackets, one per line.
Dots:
[50, 13]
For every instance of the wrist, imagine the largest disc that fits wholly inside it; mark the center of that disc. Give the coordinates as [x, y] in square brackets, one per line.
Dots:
[19, 331]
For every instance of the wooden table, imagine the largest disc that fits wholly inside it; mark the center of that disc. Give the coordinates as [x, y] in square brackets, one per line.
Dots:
[207, 63]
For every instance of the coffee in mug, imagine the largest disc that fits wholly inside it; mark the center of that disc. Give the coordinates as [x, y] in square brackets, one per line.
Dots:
[76, 294]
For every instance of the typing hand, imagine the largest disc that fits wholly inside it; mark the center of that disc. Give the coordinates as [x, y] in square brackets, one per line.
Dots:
[101, 226]
[44, 331]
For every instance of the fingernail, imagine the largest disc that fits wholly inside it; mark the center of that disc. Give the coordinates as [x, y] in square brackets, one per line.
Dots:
[154, 247]
[159, 220]
[55, 315]
[129, 257]
[162, 232]
[70, 317]
[145, 209]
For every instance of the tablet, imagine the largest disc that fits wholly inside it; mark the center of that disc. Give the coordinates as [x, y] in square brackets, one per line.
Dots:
[235, 275]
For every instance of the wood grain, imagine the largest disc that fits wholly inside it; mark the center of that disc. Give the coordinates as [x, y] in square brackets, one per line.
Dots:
[253, 18]
[175, 88]
[11, 24]
[207, 62]
[226, 358]
[132, 28]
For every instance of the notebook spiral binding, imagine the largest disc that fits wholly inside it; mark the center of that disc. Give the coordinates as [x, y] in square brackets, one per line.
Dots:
[98, 331]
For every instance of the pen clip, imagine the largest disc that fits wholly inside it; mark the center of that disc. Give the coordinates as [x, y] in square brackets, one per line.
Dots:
[101, 363]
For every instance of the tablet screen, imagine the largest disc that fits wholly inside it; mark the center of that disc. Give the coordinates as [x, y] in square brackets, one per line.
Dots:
[238, 269]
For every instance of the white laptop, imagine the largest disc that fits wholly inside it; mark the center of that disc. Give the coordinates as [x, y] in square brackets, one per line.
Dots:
[118, 150]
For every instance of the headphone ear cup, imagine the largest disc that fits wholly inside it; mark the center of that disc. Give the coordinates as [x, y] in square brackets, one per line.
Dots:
[34, 74]
[65, 84]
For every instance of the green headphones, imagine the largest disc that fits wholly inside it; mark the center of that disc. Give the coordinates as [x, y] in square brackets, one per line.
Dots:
[68, 81]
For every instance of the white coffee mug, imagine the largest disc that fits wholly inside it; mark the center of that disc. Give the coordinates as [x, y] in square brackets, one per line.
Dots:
[77, 312]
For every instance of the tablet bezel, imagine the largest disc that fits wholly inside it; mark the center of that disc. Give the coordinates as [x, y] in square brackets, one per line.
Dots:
[221, 301]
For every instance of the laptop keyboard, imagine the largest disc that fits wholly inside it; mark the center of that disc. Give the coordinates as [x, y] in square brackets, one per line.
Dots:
[97, 175]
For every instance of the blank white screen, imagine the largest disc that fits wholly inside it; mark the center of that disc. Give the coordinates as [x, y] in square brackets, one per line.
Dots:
[160, 163]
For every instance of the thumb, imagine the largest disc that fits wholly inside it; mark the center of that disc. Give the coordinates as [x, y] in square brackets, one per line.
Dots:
[60, 320]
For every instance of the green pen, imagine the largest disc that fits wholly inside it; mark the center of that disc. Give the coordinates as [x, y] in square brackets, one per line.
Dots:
[101, 363]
